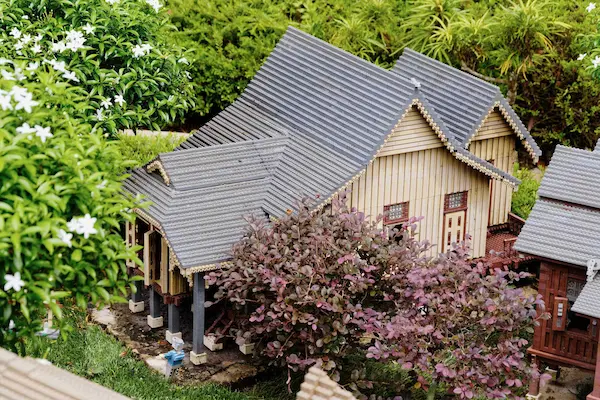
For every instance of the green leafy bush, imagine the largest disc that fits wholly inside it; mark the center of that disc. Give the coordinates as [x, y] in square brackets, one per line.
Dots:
[231, 39]
[61, 204]
[142, 148]
[524, 198]
[115, 50]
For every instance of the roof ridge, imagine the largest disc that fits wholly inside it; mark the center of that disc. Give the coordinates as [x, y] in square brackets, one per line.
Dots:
[445, 66]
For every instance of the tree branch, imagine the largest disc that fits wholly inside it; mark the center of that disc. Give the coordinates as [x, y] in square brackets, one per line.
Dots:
[465, 68]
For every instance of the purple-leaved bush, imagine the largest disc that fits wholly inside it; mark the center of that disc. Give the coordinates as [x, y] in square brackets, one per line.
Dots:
[314, 287]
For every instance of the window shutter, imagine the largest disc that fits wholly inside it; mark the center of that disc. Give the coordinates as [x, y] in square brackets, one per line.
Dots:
[559, 316]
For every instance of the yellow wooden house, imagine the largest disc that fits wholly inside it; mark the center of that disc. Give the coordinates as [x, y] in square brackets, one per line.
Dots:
[423, 139]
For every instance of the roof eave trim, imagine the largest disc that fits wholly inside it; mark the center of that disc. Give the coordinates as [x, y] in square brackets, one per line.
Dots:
[158, 166]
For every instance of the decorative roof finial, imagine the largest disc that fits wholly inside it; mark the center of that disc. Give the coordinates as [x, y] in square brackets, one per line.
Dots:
[593, 266]
[415, 83]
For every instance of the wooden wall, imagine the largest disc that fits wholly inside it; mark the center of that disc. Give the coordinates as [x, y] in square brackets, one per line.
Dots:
[413, 134]
[423, 178]
[496, 141]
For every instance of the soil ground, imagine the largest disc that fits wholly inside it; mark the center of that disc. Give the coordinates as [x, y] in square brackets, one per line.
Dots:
[228, 366]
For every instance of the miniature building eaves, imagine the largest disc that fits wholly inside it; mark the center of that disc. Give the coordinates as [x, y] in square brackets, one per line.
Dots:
[462, 100]
[335, 110]
[564, 224]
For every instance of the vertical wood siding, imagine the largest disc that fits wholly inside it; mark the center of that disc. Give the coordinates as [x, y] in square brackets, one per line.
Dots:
[413, 134]
[496, 141]
[177, 283]
[423, 178]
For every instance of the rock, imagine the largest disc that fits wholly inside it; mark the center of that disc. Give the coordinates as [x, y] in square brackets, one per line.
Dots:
[104, 317]
[158, 363]
[234, 374]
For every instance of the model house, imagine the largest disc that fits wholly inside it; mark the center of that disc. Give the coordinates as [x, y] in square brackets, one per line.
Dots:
[563, 232]
[423, 139]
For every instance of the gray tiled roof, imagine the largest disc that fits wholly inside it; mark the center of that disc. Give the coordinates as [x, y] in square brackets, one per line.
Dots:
[202, 214]
[573, 176]
[461, 99]
[561, 232]
[588, 301]
[564, 224]
[335, 111]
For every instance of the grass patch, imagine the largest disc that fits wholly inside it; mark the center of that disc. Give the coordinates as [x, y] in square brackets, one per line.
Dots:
[142, 149]
[96, 355]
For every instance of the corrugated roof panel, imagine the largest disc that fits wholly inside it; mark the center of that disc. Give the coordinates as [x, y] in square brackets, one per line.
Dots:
[588, 301]
[561, 232]
[573, 176]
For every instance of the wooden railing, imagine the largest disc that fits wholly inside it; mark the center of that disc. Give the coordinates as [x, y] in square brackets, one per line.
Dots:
[515, 224]
[571, 345]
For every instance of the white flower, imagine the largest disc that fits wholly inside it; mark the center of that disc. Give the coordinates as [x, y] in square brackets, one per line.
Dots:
[112, 1]
[170, 98]
[25, 128]
[19, 45]
[596, 61]
[42, 133]
[106, 103]
[71, 76]
[154, 4]
[36, 48]
[89, 29]
[99, 115]
[6, 75]
[183, 60]
[5, 102]
[11, 325]
[591, 7]
[33, 66]
[13, 282]
[581, 56]
[25, 103]
[65, 237]
[26, 39]
[5, 61]
[119, 99]
[38, 38]
[102, 184]
[19, 74]
[58, 65]
[74, 35]
[59, 47]
[25, 17]
[16, 33]
[138, 51]
[146, 47]
[187, 74]
[83, 225]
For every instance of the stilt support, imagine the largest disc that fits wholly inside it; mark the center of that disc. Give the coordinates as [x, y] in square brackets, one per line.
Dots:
[198, 353]
[136, 302]
[155, 320]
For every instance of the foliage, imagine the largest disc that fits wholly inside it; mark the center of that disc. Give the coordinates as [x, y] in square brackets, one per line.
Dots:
[525, 197]
[528, 47]
[315, 287]
[114, 50]
[143, 148]
[60, 205]
[231, 39]
[98, 356]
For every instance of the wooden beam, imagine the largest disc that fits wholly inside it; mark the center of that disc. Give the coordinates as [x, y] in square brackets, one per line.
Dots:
[198, 309]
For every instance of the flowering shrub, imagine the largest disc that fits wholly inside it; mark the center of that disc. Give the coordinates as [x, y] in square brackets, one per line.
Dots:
[60, 203]
[115, 50]
[312, 288]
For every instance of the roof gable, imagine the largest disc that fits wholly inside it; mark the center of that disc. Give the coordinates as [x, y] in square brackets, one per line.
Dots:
[462, 100]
